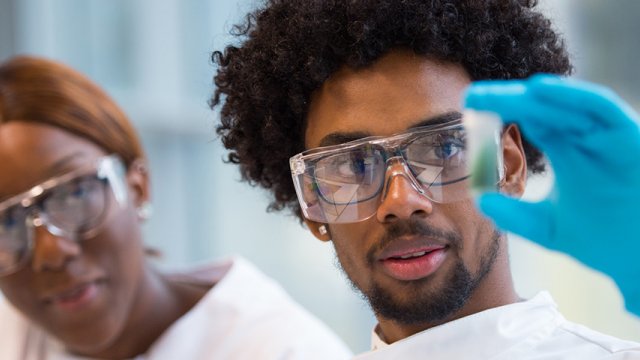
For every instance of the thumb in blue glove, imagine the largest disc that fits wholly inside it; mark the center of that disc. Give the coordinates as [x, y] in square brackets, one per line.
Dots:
[592, 140]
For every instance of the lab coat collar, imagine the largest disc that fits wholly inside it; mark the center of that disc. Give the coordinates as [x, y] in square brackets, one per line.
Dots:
[484, 334]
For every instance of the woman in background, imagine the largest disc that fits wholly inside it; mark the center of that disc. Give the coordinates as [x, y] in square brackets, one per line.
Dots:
[74, 190]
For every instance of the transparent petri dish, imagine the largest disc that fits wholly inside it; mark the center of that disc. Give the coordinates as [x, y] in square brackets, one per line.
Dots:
[484, 150]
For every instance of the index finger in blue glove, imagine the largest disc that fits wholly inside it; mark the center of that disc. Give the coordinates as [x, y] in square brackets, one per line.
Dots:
[599, 102]
[514, 102]
[590, 104]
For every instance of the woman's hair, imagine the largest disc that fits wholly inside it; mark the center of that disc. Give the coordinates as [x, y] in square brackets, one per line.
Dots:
[288, 48]
[42, 91]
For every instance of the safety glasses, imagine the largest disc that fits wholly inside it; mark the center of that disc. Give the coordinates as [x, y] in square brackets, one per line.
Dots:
[345, 183]
[73, 205]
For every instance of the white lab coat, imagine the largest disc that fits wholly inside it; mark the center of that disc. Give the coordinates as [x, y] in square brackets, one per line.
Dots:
[533, 329]
[246, 315]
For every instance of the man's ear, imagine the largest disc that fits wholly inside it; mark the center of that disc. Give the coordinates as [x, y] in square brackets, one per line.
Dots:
[139, 184]
[319, 230]
[515, 162]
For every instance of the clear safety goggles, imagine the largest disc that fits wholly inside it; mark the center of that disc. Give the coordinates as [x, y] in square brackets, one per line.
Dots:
[346, 183]
[73, 205]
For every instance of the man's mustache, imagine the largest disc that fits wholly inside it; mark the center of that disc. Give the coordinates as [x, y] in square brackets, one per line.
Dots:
[415, 228]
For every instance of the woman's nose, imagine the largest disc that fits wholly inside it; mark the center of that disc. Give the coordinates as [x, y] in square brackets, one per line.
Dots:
[52, 252]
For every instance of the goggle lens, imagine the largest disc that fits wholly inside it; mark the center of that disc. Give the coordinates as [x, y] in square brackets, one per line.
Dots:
[78, 205]
[350, 177]
[344, 185]
[13, 234]
[72, 205]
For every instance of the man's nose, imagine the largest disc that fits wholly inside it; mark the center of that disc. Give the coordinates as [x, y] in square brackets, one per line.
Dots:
[401, 198]
[52, 252]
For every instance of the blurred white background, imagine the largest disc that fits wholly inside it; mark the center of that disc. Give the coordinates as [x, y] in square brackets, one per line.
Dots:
[152, 56]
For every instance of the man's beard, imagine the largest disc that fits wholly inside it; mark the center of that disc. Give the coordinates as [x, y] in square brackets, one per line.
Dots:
[421, 305]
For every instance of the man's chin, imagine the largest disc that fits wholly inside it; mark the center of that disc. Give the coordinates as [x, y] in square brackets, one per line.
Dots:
[420, 301]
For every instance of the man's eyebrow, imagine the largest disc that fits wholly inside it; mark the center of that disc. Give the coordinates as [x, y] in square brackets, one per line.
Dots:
[344, 137]
[438, 119]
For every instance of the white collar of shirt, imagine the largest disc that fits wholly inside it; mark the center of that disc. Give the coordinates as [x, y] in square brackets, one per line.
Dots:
[508, 325]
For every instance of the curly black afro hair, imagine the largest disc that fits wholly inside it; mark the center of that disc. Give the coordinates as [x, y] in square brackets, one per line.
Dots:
[288, 48]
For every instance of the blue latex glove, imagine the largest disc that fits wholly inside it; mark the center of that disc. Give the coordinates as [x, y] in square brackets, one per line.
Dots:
[592, 140]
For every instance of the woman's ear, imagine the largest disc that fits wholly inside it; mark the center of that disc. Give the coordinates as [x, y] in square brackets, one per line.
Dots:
[515, 162]
[319, 230]
[139, 183]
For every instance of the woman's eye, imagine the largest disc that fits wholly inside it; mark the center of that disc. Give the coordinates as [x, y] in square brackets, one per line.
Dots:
[6, 221]
[10, 218]
[79, 190]
[72, 192]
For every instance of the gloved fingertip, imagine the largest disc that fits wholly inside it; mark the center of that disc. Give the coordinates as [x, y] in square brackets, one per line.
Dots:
[488, 203]
[474, 93]
[487, 95]
[526, 219]
[545, 78]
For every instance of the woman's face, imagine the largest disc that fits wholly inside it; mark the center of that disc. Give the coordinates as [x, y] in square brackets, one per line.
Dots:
[80, 291]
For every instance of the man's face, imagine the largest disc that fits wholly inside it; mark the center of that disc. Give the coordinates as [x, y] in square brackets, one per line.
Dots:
[418, 262]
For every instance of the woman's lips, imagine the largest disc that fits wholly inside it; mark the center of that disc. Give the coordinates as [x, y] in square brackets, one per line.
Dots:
[75, 297]
[414, 264]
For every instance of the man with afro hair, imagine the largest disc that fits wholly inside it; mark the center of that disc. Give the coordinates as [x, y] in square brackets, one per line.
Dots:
[361, 100]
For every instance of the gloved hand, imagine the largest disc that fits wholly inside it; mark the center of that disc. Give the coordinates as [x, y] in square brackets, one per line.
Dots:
[592, 139]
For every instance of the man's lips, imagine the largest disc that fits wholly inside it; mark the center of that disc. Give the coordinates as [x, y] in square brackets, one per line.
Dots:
[412, 260]
[400, 252]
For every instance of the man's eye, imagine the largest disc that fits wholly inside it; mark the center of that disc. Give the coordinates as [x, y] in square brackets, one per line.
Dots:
[352, 167]
[447, 150]
[345, 168]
